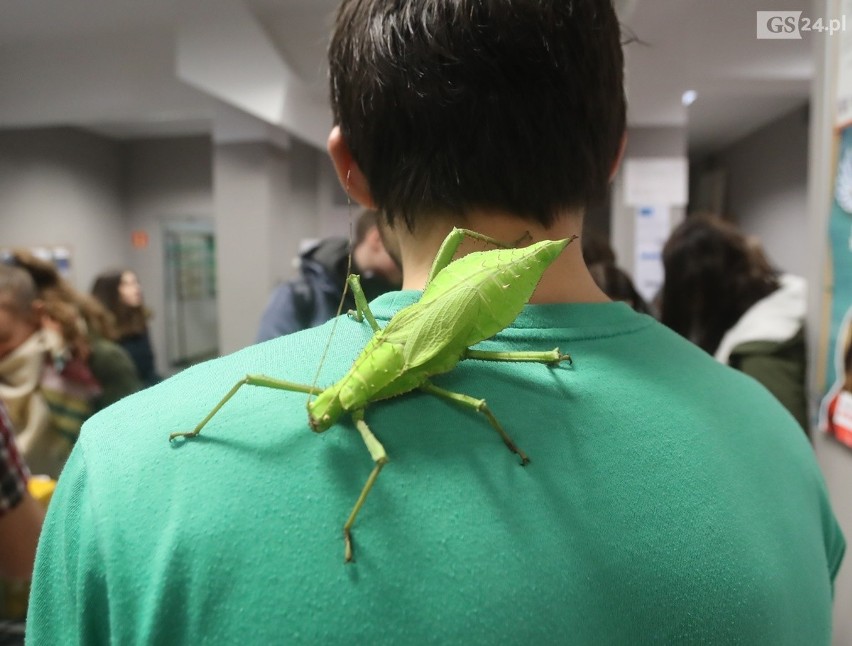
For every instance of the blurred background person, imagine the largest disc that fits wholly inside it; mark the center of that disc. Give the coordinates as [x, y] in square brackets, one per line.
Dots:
[596, 248]
[613, 281]
[721, 293]
[32, 369]
[88, 329]
[616, 284]
[121, 293]
[314, 297]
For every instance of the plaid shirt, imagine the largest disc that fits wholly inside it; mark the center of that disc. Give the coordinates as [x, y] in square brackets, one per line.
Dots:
[13, 471]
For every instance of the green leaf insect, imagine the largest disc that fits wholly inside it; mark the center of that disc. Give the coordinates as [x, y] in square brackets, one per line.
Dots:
[465, 301]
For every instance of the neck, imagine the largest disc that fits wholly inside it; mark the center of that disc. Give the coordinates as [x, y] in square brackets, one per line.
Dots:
[567, 280]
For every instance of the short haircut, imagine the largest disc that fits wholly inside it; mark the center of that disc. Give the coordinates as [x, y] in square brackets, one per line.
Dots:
[17, 290]
[451, 105]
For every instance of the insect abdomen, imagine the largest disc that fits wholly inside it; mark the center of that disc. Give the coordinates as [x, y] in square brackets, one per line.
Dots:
[490, 288]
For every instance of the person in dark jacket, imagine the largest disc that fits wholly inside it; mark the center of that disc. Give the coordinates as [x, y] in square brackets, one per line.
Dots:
[314, 297]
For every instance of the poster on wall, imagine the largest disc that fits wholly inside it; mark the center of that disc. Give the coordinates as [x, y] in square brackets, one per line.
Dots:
[57, 255]
[836, 408]
[653, 225]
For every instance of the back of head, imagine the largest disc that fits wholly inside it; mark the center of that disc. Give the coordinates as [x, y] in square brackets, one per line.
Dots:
[18, 315]
[451, 105]
[63, 302]
[17, 290]
[43, 272]
[712, 277]
[105, 289]
[124, 319]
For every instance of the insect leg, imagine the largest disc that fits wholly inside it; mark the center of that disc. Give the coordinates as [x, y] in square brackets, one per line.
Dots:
[480, 406]
[362, 307]
[451, 244]
[248, 380]
[380, 457]
[550, 356]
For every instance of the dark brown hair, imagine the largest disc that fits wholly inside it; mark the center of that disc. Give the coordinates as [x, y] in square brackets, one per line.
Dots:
[128, 320]
[62, 302]
[616, 284]
[712, 276]
[449, 105]
[596, 248]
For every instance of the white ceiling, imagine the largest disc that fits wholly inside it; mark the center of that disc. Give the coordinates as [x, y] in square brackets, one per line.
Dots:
[111, 65]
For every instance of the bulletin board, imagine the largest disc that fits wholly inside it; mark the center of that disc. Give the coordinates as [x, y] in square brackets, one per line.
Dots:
[839, 328]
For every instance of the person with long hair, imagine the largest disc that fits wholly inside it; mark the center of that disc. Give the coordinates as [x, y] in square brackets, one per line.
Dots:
[47, 392]
[121, 293]
[87, 328]
[721, 293]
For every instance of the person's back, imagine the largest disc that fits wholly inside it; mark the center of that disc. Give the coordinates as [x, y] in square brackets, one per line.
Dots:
[668, 499]
[649, 512]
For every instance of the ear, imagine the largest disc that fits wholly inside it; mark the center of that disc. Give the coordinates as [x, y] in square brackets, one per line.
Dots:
[37, 312]
[348, 171]
[619, 157]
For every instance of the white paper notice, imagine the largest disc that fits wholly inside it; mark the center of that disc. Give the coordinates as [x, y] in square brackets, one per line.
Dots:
[653, 224]
[656, 180]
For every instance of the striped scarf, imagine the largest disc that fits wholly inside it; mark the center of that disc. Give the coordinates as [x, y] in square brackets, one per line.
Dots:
[48, 398]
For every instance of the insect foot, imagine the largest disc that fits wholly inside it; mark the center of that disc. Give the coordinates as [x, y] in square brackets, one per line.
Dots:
[508, 441]
[182, 436]
[564, 357]
[380, 459]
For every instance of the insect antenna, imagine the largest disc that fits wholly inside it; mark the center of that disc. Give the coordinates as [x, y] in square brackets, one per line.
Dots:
[342, 295]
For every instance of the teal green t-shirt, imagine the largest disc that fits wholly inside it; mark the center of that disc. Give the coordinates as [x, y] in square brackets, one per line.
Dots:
[669, 499]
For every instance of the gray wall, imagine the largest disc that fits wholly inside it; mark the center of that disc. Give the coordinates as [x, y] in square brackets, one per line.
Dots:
[641, 142]
[163, 178]
[266, 202]
[61, 186]
[767, 188]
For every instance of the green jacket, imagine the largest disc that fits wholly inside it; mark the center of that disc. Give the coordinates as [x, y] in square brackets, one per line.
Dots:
[768, 344]
[114, 369]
